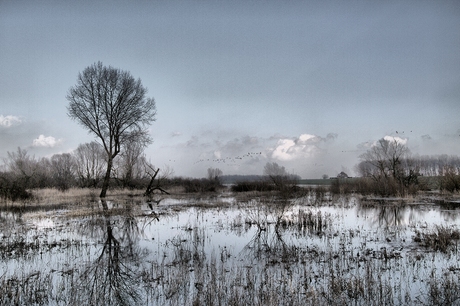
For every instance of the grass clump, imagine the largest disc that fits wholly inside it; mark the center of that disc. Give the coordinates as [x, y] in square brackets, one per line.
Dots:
[441, 238]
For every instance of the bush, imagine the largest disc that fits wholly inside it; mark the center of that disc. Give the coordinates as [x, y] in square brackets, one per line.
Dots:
[349, 186]
[381, 186]
[13, 188]
[253, 186]
[450, 182]
[200, 185]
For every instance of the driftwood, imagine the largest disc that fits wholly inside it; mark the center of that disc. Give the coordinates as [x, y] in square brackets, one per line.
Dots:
[154, 185]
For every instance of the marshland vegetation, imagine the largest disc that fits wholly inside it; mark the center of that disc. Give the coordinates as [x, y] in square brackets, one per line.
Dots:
[228, 248]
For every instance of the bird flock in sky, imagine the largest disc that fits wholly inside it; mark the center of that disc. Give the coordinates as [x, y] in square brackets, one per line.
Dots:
[229, 159]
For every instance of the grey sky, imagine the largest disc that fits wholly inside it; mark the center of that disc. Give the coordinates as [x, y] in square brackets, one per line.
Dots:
[239, 77]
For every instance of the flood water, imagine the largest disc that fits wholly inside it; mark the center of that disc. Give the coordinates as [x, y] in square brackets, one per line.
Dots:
[220, 250]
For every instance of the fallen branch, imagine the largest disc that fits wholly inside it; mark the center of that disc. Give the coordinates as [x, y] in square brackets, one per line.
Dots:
[152, 184]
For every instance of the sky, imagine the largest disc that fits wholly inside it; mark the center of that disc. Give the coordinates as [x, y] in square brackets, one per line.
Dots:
[310, 85]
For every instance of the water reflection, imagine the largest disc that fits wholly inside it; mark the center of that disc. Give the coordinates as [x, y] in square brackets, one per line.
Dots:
[450, 215]
[267, 244]
[384, 216]
[270, 244]
[9, 219]
[112, 277]
[398, 217]
[449, 210]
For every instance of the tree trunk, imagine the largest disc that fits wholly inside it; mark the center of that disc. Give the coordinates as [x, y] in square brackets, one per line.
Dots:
[105, 184]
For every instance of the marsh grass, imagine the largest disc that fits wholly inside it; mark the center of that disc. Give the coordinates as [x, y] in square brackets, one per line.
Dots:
[30, 289]
[73, 203]
[52, 195]
[306, 222]
[443, 290]
[441, 238]
[76, 196]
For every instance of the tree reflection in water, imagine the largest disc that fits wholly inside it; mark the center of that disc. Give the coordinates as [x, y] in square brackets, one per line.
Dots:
[269, 243]
[111, 279]
[449, 210]
[385, 216]
[278, 229]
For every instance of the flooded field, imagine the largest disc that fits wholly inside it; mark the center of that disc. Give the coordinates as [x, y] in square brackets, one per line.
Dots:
[220, 250]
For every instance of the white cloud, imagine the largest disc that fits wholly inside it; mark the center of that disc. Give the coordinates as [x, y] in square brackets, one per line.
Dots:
[284, 150]
[8, 121]
[397, 139]
[288, 149]
[43, 141]
[306, 137]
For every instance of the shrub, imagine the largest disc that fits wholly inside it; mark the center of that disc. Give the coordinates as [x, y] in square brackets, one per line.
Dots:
[13, 188]
[450, 182]
[381, 186]
[349, 186]
[200, 185]
[253, 186]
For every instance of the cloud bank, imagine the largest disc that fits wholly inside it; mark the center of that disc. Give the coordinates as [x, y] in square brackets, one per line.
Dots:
[291, 149]
[304, 154]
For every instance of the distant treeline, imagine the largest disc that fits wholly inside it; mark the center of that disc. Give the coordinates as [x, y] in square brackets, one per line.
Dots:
[235, 178]
[386, 169]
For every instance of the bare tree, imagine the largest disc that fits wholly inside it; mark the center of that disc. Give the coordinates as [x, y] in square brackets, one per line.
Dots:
[89, 163]
[214, 174]
[44, 173]
[113, 105]
[384, 159]
[389, 165]
[63, 166]
[22, 166]
[280, 177]
[273, 169]
[130, 165]
[21, 170]
[21, 163]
